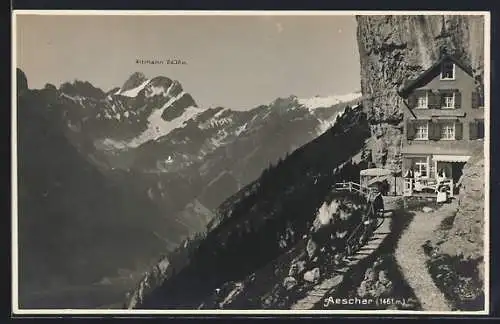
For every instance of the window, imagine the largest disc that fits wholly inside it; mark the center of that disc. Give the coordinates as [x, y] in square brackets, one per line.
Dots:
[448, 131]
[449, 101]
[422, 101]
[448, 71]
[421, 166]
[422, 131]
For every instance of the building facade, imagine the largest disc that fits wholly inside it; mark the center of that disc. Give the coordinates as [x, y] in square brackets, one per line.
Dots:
[443, 120]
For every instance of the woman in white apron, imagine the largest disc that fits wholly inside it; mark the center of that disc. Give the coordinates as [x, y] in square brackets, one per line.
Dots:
[442, 194]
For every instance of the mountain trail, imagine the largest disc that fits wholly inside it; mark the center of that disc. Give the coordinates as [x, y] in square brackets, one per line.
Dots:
[328, 285]
[411, 257]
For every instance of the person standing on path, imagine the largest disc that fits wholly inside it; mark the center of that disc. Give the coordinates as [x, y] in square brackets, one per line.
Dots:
[375, 210]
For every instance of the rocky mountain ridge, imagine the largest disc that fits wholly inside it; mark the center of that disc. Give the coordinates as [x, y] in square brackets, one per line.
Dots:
[176, 178]
[216, 150]
[146, 115]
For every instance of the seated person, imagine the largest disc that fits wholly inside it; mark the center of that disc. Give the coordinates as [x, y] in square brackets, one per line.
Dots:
[418, 184]
[409, 174]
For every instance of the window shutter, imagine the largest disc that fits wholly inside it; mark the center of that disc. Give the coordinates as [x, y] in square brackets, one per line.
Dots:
[441, 99]
[475, 100]
[412, 100]
[433, 99]
[434, 130]
[430, 130]
[458, 130]
[458, 99]
[480, 128]
[410, 129]
[473, 130]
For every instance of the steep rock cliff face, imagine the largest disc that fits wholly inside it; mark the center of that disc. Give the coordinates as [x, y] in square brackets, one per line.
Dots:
[395, 48]
[466, 235]
[457, 248]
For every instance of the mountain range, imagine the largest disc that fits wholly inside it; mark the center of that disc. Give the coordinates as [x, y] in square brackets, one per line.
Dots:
[244, 235]
[139, 167]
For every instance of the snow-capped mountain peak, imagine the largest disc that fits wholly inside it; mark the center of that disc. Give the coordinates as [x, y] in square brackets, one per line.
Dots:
[150, 120]
[328, 101]
[158, 86]
[134, 81]
[157, 124]
[134, 91]
[158, 127]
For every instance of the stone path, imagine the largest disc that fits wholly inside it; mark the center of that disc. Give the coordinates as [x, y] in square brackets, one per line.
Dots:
[412, 259]
[318, 292]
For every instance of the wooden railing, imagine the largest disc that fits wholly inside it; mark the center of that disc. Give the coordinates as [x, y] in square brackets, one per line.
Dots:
[352, 187]
[353, 242]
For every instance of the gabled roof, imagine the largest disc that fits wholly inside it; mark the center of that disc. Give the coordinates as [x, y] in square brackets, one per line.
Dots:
[413, 83]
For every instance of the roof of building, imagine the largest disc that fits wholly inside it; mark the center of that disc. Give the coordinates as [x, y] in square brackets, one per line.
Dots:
[413, 83]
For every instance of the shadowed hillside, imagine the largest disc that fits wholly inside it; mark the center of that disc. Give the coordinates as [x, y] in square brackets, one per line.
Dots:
[287, 194]
[75, 225]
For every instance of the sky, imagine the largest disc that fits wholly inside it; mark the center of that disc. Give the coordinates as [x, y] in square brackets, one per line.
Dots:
[237, 62]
